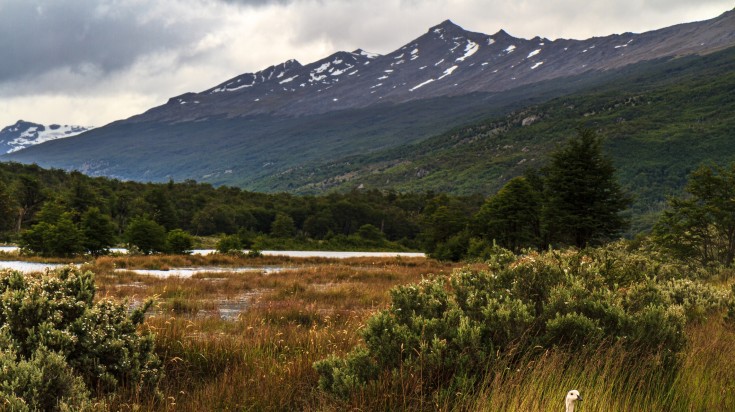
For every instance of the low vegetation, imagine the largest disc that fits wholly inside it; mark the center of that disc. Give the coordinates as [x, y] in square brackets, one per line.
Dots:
[451, 331]
[624, 323]
[60, 344]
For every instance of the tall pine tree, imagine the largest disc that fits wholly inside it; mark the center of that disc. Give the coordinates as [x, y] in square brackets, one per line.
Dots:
[511, 217]
[583, 200]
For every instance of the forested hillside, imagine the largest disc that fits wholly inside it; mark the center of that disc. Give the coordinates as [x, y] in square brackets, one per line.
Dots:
[659, 121]
[53, 213]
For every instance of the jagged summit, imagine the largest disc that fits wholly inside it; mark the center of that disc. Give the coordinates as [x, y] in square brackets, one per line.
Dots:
[445, 25]
[502, 34]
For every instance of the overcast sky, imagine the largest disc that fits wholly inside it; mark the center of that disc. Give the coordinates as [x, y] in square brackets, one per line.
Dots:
[90, 62]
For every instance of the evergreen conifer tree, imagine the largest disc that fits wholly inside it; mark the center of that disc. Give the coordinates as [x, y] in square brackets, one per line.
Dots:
[511, 217]
[583, 200]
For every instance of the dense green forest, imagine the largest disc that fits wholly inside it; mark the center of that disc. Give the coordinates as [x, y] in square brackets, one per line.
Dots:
[55, 213]
[365, 219]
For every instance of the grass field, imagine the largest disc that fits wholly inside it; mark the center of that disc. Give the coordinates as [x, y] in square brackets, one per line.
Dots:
[248, 342]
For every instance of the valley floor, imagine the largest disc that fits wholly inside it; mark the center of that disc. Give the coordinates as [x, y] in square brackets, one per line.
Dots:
[247, 341]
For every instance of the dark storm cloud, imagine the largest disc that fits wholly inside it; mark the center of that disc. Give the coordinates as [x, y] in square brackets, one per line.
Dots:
[102, 36]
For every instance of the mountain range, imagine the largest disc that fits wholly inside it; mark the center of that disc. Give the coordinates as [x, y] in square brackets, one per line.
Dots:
[357, 119]
[445, 61]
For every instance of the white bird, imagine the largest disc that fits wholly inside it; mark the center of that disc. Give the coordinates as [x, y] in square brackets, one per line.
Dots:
[572, 397]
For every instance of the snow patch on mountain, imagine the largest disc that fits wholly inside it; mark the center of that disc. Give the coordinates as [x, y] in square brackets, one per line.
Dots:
[469, 50]
[421, 85]
[448, 72]
[289, 80]
[368, 54]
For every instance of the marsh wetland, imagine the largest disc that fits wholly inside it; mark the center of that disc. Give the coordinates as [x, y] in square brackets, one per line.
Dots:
[246, 336]
[243, 333]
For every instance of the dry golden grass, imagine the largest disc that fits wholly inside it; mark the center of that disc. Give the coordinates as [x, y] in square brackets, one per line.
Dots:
[613, 379]
[259, 355]
[260, 359]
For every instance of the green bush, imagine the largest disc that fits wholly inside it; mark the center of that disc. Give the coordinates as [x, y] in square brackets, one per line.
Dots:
[179, 242]
[51, 325]
[146, 235]
[572, 329]
[45, 382]
[342, 376]
[449, 330]
[492, 253]
[229, 244]
[58, 238]
[695, 298]
[254, 253]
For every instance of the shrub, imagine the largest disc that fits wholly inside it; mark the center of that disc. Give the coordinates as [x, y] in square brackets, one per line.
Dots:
[572, 329]
[51, 325]
[492, 253]
[179, 242]
[695, 298]
[659, 328]
[146, 235]
[229, 244]
[449, 330]
[59, 238]
[44, 382]
[254, 253]
[342, 376]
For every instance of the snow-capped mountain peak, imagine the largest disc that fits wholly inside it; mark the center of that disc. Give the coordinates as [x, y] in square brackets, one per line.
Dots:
[24, 134]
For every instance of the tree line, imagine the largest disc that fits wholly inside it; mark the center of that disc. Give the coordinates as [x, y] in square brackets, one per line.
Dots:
[53, 212]
[575, 200]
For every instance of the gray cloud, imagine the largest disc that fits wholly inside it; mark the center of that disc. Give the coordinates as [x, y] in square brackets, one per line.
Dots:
[257, 3]
[38, 36]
